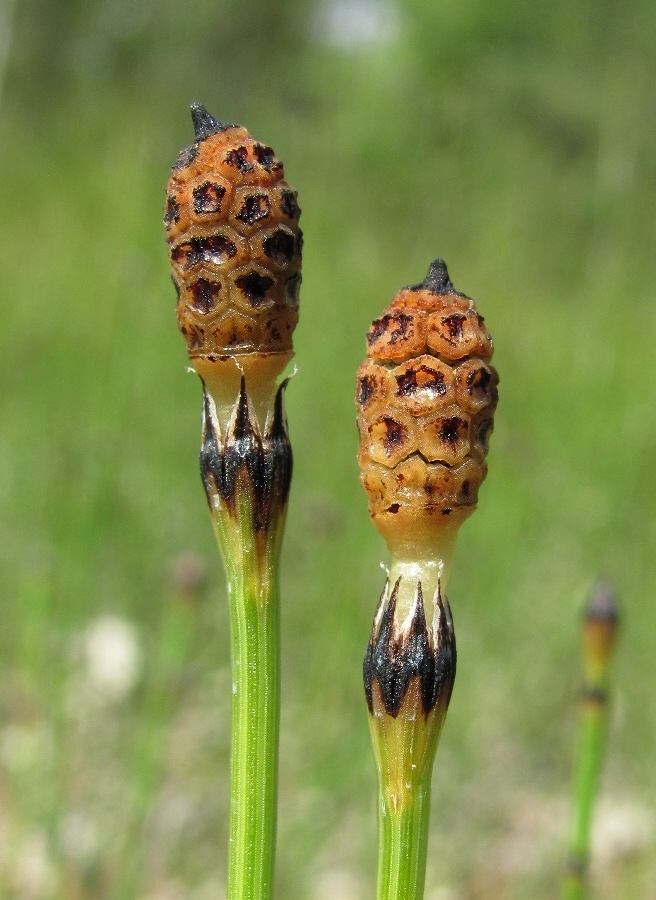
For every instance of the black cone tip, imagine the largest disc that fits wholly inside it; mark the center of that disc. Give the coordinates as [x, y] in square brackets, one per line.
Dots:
[204, 123]
[437, 279]
[602, 603]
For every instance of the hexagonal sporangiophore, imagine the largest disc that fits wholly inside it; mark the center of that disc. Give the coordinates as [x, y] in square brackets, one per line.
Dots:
[220, 248]
[482, 427]
[193, 333]
[174, 210]
[466, 479]
[275, 248]
[276, 331]
[372, 387]
[235, 331]
[476, 385]
[292, 290]
[253, 287]
[210, 197]
[419, 483]
[397, 336]
[455, 333]
[251, 209]
[409, 480]
[205, 296]
[378, 481]
[445, 437]
[422, 385]
[388, 438]
[267, 160]
[284, 202]
[245, 161]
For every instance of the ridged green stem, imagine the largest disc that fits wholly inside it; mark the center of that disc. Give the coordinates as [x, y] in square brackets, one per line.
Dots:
[254, 623]
[588, 771]
[599, 631]
[402, 844]
[254, 747]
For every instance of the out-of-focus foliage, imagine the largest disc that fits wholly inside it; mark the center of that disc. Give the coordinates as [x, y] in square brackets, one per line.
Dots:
[517, 141]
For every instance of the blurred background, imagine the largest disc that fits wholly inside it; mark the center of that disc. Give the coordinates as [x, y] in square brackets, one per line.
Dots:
[517, 141]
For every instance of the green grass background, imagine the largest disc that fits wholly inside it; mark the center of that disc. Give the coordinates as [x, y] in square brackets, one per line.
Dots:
[515, 140]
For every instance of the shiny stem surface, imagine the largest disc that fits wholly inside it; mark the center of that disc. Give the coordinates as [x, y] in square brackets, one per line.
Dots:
[402, 844]
[592, 745]
[252, 574]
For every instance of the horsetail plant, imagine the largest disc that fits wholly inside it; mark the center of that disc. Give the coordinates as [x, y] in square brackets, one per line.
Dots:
[235, 249]
[426, 395]
[598, 635]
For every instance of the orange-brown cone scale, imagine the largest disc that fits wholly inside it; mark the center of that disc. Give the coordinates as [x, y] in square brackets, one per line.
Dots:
[426, 396]
[235, 245]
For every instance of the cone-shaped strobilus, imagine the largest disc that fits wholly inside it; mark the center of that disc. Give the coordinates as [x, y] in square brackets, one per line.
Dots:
[598, 635]
[426, 396]
[235, 249]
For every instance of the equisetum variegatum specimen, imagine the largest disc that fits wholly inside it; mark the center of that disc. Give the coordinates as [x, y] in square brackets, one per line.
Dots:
[598, 637]
[426, 396]
[235, 249]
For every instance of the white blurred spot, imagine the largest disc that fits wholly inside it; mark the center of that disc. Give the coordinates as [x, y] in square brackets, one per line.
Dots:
[442, 893]
[168, 890]
[621, 828]
[335, 883]
[210, 890]
[351, 24]
[78, 837]
[33, 873]
[112, 656]
[532, 832]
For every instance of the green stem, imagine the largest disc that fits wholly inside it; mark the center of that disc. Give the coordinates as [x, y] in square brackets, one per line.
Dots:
[254, 750]
[599, 630]
[254, 624]
[588, 770]
[402, 844]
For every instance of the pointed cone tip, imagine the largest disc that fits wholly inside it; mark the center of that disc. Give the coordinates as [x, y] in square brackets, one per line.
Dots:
[437, 278]
[205, 124]
[602, 603]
